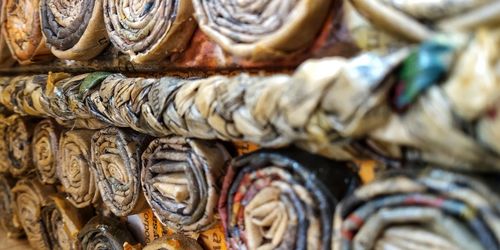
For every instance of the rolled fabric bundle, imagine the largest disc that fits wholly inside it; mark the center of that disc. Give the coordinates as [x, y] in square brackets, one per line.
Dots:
[181, 179]
[283, 199]
[45, 147]
[74, 30]
[433, 209]
[30, 196]
[62, 223]
[74, 168]
[21, 95]
[117, 166]
[261, 29]
[104, 233]
[6, 58]
[173, 242]
[4, 146]
[19, 136]
[22, 32]
[9, 221]
[149, 30]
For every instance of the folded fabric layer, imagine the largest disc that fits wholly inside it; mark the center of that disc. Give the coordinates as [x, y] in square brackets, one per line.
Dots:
[22, 32]
[45, 147]
[74, 30]
[105, 233]
[117, 166]
[149, 30]
[434, 209]
[18, 136]
[30, 196]
[9, 221]
[283, 199]
[181, 179]
[173, 242]
[261, 29]
[73, 170]
[62, 223]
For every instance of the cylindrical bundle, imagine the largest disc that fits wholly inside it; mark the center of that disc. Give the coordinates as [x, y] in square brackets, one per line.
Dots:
[22, 32]
[433, 209]
[173, 242]
[261, 29]
[105, 233]
[21, 94]
[6, 58]
[30, 196]
[45, 147]
[283, 199]
[149, 30]
[18, 136]
[181, 179]
[62, 223]
[74, 29]
[4, 146]
[116, 157]
[9, 221]
[74, 168]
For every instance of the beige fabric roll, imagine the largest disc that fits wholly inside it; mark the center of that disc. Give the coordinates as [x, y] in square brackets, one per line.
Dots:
[19, 136]
[9, 221]
[22, 32]
[149, 30]
[173, 242]
[74, 29]
[261, 29]
[30, 196]
[45, 147]
[4, 145]
[73, 170]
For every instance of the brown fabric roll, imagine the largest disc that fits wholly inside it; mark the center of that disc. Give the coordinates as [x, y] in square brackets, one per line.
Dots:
[117, 166]
[149, 30]
[261, 29]
[22, 32]
[30, 196]
[105, 233]
[9, 221]
[62, 223]
[19, 136]
[181, 179]
[4, 145]
[73, 168]
[45, 147]
[74, 30]
[173, 242]
[6, 58]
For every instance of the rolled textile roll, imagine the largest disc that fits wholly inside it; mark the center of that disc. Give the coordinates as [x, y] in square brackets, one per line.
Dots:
[283, 199]
[73, 168]
[149, 30]
[173, 242]
[6, 58]
[117, 166]
[9, 221]
[62, 223]
[261, 29]
[30, 196]
[104, 233]
[74, 30]
[433, 209]
[4, 146]
[22, 32]
[45, 146]
[19, 136]
[181, 179]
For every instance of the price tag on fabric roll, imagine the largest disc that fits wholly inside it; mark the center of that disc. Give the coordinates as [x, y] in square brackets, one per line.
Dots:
[245, 147]
[213, 239]
[153, 229]
[366, 170]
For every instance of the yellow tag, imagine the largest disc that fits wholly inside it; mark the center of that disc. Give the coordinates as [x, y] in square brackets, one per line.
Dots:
[213, 239]
[153, 229]
[245, 147]
[366, 170]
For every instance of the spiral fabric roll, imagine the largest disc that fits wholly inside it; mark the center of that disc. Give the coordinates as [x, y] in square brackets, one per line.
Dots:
[62, 223]
[9, 221]
[149, 30]
[434, 209]
[74, 168]
[261, 29]
[6, 58]
[117, 166]
[22, 32]
[45, 146]
[30, 196]
[19, 136]
[283, 199]
[173, 242]
[4, 146]
[104, 233]
[74, 29]
[181, 179]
